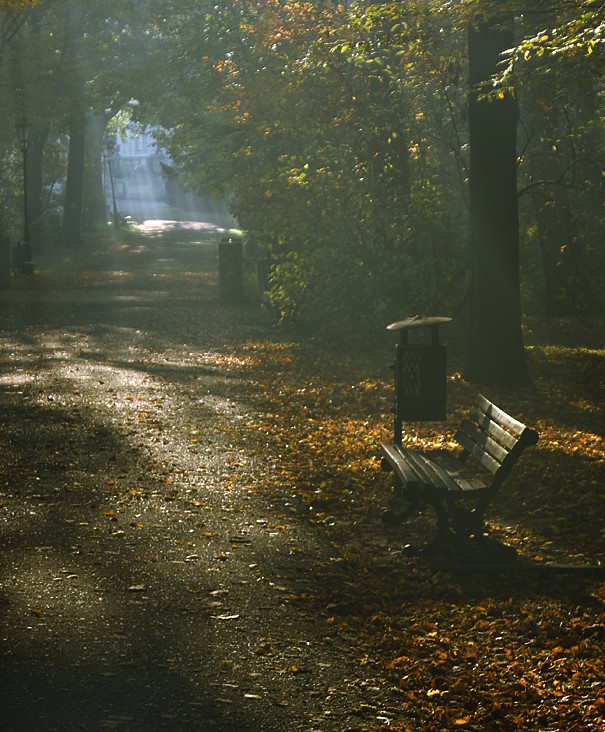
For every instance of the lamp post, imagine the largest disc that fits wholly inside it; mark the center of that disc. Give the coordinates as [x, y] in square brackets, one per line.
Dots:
[108, 152]
[24, 252]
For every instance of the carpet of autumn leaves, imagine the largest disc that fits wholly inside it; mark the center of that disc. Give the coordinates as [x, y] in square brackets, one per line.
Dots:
[474, 650]
[471, 649]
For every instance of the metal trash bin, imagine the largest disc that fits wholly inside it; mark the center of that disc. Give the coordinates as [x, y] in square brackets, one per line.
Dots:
[420, 373]
[231, 272]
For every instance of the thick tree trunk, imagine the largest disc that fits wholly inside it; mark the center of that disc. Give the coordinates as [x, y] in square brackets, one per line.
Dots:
[72, 211]
[496, 352]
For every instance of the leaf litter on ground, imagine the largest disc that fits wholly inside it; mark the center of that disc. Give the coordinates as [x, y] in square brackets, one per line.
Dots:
[501, 650]
[464, 650]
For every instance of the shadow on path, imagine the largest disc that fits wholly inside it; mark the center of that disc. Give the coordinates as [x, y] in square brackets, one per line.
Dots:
[145, 582]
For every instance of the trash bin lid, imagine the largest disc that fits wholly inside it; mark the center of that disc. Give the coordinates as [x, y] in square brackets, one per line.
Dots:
[419, 321]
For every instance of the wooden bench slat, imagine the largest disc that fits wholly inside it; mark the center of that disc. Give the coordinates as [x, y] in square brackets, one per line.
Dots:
[500, 416]
[415, 468]
[452, 473]
[431, 473]
[478, 453]
[438, 469]
[466, 479]
[481, 421]
[392, 454]
[485, 442]
[505, 429]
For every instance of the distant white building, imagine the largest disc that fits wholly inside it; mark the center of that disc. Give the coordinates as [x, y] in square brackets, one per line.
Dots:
[136, 168]
[143, 190]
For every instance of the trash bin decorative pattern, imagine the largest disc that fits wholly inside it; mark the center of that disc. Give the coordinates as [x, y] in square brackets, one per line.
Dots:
[420, 373]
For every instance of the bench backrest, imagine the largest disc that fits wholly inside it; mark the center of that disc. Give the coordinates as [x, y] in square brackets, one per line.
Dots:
[494, 438]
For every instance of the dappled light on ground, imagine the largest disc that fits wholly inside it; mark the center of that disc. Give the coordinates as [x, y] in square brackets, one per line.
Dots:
[145, 581]
[134, 547]
[190, 516]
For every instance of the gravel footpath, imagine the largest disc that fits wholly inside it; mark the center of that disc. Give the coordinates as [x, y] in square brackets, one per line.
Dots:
[144, 582]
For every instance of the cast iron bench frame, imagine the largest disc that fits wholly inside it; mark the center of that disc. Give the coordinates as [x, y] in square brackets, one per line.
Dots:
[459, 487]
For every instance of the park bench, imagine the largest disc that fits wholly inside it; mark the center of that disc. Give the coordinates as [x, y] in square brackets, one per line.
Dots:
[459, 487]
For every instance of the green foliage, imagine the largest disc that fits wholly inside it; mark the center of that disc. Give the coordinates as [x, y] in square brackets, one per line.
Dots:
[563, 150]
[338, 131]
[564, 34]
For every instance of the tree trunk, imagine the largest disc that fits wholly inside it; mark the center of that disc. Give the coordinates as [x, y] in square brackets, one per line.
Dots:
[496, 353]
[94, 206]
[72, 211]
[36, 185]
[555, 237]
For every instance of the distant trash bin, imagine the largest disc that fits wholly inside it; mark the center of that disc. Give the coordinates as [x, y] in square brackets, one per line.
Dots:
[420, 374]
[231, 272]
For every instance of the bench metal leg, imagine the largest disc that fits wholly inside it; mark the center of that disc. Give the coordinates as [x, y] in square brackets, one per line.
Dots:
[392, 517]
[442, 534]
[406, 504]
[402, 506]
